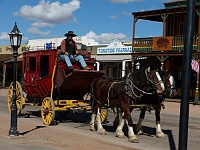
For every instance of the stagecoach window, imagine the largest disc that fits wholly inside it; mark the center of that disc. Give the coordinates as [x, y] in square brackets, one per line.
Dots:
[32, 63]
[44, 66]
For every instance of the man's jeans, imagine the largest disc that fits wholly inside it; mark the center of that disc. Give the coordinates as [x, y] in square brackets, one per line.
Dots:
[78, 58]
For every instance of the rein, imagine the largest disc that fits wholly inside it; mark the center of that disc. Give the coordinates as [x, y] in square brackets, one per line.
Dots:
[137, 88]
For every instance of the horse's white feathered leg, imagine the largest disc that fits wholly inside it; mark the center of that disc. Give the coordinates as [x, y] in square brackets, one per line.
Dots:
[159, 133]
[139, 127]
[100, 128]
[132, 137]
[119, 133]
[92, 122]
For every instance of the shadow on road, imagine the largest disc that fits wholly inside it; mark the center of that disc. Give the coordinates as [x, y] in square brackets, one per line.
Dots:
[37, 127]
[64, 116]
[148, 131]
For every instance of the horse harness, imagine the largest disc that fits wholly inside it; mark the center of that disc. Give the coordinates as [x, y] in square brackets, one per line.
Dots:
[131, 86]
[108, 95]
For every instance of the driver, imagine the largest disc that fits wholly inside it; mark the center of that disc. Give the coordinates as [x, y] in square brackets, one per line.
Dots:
[69, 51]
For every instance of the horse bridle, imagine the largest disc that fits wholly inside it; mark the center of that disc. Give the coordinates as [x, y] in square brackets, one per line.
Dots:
[154, 84]
[172, 86]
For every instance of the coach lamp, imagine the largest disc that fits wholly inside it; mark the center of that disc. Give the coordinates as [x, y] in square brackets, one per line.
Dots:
[137, 65]
[15, 42]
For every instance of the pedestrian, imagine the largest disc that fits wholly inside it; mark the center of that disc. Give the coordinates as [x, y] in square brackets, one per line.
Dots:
[69, 51]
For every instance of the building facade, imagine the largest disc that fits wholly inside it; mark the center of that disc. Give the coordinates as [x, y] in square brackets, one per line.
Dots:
[168, 48]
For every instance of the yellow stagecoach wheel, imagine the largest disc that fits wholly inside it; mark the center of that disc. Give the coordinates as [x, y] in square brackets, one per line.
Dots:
[103, 115]
[19, 97]
[48, 111]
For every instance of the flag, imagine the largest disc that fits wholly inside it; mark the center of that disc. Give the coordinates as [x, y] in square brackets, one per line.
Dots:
[195, 65]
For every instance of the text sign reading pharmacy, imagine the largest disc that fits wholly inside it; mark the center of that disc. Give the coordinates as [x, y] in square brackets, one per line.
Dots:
[115, 47]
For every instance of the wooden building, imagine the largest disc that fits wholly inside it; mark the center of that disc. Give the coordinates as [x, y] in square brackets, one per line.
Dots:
[168, 49]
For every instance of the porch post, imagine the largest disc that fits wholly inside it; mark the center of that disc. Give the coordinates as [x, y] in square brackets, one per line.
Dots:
[196, 98]
[198, 43]
[133, 36]
[162, 62]
[164, 17]
[4, 75]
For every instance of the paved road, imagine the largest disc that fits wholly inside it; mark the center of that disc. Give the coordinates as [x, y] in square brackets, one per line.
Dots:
[73, 132]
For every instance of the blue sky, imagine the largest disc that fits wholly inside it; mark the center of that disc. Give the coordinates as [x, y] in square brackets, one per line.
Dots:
[102, 20]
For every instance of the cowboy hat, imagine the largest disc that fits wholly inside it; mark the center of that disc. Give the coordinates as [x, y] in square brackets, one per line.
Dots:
[70, 33]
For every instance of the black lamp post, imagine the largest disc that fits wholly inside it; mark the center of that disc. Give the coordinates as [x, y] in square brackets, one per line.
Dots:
[15, 42]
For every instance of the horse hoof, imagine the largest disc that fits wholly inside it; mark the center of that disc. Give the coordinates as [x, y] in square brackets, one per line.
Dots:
[120, 134]
[92, 128]
[160, 135]
[133, 139]
[139, 132]
[102, 132]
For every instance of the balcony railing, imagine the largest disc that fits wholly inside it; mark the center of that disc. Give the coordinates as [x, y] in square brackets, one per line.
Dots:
[145, 45]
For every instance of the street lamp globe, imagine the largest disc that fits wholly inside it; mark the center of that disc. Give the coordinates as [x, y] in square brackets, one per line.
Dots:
[15, 37]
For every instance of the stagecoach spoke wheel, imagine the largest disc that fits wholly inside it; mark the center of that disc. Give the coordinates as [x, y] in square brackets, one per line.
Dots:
[48, 111]
[19, 96]
[103, 115]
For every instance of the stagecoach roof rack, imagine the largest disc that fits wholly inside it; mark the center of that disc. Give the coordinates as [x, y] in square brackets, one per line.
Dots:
[44, 47]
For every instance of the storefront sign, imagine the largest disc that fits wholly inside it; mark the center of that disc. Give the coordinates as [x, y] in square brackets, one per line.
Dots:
[162, 43]
[115, 47]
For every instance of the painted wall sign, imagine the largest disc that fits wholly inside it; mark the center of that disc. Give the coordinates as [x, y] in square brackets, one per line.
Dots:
[115, 47]
[162, 43]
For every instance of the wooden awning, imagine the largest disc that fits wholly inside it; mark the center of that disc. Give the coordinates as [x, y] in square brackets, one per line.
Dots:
[19, 58]
[5, 57]
[155, 15]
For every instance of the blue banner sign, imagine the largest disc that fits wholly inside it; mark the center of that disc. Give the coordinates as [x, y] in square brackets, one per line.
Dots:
[48, 46]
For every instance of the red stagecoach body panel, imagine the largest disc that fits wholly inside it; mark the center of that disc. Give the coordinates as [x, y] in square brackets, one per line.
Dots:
[38, 68]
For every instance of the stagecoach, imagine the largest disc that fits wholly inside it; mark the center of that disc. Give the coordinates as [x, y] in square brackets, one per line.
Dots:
[47, 82]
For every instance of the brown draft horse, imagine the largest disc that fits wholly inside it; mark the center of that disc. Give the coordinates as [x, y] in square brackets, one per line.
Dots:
[157, 101]
[108, 93]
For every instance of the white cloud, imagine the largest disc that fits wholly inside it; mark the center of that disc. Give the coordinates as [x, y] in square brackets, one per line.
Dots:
[127, 13]
[113, 17]
[54, 12]
[125, 1]
[36, 31]
[42, 24]
[105, 37]
[4, 36]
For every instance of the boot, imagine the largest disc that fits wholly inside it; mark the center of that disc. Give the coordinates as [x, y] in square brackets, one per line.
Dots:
[86, 68]
[71, 68]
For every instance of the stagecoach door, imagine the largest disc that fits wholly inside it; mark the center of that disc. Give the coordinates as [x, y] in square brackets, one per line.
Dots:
[31, 72]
